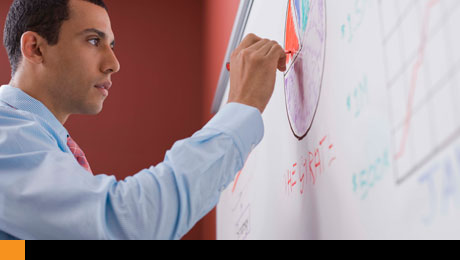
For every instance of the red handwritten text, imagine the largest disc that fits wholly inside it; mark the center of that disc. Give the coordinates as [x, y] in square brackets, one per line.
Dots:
[309, 167]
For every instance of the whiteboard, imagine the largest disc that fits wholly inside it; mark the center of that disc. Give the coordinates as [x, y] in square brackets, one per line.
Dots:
[381, 159]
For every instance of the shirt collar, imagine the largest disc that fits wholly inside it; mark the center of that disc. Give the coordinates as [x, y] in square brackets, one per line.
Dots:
[19, 100]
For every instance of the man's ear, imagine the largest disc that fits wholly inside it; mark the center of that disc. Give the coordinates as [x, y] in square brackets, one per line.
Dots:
[31, 45]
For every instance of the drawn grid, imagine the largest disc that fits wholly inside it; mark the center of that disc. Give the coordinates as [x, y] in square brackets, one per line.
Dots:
[422, 63]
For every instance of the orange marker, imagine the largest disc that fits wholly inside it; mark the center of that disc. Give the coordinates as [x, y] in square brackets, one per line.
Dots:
[287, 53]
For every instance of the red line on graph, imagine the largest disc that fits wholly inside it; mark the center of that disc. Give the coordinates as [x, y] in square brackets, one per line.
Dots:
[415, 72]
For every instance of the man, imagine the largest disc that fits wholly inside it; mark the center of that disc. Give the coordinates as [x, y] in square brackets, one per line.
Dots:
[62, 59]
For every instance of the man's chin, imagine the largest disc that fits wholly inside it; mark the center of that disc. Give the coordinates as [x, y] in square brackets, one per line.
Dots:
[92, 110]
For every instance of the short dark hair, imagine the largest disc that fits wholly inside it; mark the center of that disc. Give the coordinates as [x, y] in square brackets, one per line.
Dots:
[44, 17]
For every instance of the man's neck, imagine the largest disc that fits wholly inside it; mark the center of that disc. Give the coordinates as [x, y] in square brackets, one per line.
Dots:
[34, 91]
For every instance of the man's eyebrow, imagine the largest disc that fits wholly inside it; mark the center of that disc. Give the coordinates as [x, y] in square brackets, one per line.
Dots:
[100, 33]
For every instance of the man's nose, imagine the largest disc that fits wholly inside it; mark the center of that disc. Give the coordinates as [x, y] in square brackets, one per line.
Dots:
[111, 64]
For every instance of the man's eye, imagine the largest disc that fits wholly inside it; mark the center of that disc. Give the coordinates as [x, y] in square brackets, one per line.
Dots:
[94, 41]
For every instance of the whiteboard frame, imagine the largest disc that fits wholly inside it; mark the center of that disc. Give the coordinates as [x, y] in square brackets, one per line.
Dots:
[237, 35]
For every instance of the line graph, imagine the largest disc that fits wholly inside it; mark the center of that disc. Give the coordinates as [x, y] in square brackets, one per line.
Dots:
[415, 76]
[421, 79]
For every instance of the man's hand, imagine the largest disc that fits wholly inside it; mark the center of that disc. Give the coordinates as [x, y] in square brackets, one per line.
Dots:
[253, 71]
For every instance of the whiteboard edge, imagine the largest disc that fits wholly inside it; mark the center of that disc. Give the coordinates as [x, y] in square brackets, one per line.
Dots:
[237, 35]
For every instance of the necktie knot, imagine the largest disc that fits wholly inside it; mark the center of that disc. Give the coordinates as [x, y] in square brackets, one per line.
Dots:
[78, 154]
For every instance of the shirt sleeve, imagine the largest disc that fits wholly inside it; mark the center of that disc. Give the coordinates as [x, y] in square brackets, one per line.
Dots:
[46, 194]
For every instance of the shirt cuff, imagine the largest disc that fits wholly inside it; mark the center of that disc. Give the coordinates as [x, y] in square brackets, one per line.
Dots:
[244, 123]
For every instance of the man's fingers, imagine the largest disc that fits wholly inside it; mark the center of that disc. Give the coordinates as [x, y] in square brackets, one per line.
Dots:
[260, 45]
[247, 42]
[277, 54]
[264, 48]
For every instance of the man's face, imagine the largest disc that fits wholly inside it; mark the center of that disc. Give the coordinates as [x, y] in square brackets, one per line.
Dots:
[82, 60]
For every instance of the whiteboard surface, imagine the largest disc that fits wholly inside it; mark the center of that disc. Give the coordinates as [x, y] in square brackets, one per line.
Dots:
[382, 158]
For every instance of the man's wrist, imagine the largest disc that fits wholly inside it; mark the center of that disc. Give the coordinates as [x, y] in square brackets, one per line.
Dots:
[247, 103]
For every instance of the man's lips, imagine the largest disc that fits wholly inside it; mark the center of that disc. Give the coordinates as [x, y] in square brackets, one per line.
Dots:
[104, 87]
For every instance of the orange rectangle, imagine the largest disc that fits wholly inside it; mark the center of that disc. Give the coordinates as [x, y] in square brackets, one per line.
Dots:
[13, 250]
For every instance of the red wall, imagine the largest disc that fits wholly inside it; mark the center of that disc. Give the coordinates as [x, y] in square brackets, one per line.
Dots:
[5, 71]
[170, 53]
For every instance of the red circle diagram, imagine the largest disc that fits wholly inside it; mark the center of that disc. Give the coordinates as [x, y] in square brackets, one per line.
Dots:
[305, 39]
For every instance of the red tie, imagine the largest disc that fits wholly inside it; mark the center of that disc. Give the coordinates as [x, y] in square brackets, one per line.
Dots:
[79, 154]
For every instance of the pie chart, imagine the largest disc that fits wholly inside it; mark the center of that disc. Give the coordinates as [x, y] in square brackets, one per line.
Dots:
[305, 38]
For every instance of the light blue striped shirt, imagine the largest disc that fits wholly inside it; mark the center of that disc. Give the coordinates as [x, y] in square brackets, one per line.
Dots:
[46, 194]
